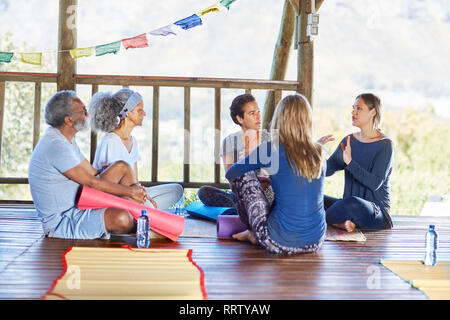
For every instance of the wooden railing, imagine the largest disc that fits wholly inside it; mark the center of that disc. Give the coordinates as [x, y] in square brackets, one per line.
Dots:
[156, 82]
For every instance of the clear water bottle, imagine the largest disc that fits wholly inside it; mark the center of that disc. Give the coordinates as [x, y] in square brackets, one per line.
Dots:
[179, 206]
[431, 243]
[143, 230]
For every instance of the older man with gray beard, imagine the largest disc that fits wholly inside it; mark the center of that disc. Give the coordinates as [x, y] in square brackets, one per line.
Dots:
[58, 169]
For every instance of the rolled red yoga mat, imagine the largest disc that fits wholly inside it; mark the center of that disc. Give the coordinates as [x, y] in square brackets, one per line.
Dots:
[165, 223]
[227, 225]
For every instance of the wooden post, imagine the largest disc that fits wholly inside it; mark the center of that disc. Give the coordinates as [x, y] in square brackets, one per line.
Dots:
[155, 133]
[217, 102]
[2, 112]
[296, 5]
[67, 39]
[280, 58]
[37, 113]
[93, 133]
[187, 134]
[305, 54]
[277, 96]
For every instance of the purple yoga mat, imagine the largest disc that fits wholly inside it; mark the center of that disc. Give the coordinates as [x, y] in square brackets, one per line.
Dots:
[227, 225]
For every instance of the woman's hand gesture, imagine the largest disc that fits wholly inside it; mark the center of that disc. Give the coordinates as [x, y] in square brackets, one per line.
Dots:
[325, 139]
[347, 151]
[252, 139]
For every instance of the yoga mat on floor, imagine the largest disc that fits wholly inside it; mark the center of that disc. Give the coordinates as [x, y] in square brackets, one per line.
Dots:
[198, 209]
[433, 281]
[167, 224]
[125, 273]
[334, 234]
[227, 225]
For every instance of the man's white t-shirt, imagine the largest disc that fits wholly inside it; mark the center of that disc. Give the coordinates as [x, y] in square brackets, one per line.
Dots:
[112, 149]
[53, 193]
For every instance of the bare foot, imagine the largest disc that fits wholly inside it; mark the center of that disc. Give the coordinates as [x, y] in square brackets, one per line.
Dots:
[348, 226]
[246, 235]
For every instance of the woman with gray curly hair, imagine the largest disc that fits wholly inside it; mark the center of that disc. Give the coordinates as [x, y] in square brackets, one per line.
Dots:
[117, 115]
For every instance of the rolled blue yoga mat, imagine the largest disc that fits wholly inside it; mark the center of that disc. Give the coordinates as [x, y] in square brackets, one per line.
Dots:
[198, 209]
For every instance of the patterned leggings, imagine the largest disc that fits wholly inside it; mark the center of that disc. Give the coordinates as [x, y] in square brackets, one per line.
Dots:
[254, 209]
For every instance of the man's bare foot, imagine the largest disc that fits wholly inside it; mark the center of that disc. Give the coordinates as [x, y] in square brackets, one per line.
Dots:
[246, 235]
[348, 226]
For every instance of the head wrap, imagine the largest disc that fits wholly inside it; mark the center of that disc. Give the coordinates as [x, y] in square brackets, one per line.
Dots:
[132, 102]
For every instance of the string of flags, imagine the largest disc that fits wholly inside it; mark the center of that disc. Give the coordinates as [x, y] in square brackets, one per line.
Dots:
[139, 41]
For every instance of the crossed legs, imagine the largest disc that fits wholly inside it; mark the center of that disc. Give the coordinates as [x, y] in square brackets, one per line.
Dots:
[254, 209]
[352, 211]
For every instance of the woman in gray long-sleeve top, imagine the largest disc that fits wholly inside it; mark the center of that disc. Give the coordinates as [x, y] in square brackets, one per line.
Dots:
[367, 158]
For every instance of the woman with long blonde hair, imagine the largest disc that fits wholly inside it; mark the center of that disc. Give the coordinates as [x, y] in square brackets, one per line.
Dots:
[295, 223]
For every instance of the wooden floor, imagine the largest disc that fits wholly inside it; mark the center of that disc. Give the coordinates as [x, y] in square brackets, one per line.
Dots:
[29, 262]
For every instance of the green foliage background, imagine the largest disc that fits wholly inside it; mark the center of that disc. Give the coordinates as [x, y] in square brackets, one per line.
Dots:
[17, 140]
[420, 139]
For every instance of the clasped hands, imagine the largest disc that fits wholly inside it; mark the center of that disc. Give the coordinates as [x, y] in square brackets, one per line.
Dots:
[140, 194]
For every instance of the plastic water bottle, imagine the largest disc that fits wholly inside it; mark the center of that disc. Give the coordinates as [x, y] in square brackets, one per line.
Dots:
[143, 230]
[431, 243]
[179, 206]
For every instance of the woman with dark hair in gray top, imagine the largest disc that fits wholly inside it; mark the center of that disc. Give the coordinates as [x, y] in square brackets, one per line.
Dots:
[244, 111]
[367, 158]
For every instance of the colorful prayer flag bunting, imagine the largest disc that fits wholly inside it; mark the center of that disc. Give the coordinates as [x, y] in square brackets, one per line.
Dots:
[189, 22]
[6, 56]
[163, 31]
[213, 8]
[112, 47]
[139, 41]
[227, 3]
[31, 58]
[82, 52]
